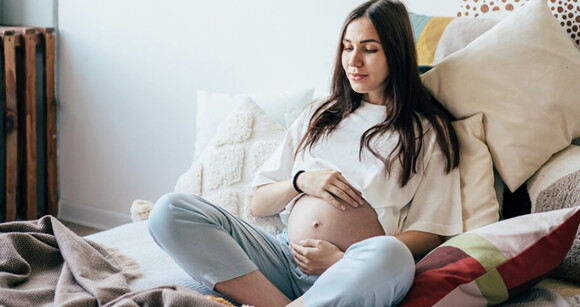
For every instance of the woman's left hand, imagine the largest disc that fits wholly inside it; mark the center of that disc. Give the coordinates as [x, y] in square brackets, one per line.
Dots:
[315, 256]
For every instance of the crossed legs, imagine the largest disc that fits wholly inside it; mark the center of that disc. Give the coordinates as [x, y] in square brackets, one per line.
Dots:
[234, 258]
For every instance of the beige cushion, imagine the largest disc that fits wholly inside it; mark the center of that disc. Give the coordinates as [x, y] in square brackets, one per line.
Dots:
[225, 169]
[523, 75]
[478, 197]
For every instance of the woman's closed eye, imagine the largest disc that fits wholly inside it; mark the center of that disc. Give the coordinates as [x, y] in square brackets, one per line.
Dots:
[367, 49]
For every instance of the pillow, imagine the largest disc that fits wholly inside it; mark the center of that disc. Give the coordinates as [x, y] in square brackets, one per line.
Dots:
[437, 37]
[564, 193]
[560, 165]
[554, 186]
[522, 74]
[495, 262]
[212, 108]
[478, 198]
[225, 169]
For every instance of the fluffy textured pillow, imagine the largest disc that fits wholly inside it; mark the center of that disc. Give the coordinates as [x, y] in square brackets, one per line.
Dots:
[564, 193]
[489, 265]
[212, 108]
[478, 197]
[523, 75]
[560, 165]
[437, 37]
[225, 169]
[554, 186]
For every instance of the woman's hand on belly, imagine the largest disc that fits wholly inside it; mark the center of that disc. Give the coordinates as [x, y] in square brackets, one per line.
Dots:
[315, 256]
[314, 218]
[331, 186]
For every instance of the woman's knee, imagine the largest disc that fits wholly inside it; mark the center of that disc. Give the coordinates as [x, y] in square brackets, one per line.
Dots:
[161, 218]
[171, 208]
[389, 265]
[378, 271]
[388, 253]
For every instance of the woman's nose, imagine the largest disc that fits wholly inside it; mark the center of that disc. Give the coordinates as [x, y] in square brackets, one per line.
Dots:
[355, 59]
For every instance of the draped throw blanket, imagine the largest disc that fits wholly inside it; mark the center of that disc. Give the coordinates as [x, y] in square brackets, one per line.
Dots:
[43, 263]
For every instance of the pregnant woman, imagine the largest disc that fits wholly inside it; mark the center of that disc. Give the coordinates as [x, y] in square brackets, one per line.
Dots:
[365, 181]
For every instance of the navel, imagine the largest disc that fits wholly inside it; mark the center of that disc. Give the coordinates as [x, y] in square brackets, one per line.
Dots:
[316, 224]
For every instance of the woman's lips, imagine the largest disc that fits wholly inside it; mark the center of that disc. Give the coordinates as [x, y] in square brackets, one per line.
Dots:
[357, 77]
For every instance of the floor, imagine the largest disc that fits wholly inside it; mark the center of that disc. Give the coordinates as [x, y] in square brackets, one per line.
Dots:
[80, 229]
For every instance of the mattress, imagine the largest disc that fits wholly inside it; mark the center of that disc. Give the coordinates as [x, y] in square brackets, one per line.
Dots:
[159, 269]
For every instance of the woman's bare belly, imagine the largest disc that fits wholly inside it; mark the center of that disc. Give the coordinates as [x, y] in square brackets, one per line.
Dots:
[314, 218]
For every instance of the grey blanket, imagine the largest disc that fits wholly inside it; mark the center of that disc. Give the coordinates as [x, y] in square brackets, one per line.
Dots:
[43, 263]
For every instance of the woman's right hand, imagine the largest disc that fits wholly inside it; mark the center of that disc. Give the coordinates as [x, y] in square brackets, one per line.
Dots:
[331, 186]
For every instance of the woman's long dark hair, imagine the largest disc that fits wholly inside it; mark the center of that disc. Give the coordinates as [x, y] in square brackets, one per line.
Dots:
[405, 98]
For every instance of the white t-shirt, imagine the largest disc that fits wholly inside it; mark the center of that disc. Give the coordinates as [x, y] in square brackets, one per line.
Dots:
[431, 200]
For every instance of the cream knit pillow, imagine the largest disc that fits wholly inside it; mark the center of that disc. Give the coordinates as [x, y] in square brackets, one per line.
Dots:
[225, 169]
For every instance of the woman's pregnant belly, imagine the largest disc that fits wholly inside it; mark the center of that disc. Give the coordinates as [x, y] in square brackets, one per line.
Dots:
[314, 218]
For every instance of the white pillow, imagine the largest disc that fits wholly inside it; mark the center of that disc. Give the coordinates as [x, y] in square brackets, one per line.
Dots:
[523, 74]
[212, 108]
[225, 169]
[560, 165]
[478, 196]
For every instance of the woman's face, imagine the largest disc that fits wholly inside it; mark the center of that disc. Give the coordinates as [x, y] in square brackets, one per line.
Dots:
[364, 60]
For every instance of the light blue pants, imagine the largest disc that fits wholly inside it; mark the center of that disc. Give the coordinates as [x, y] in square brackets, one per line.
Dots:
[212, 246]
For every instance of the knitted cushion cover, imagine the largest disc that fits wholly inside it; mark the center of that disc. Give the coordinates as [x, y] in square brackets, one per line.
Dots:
[225, 169]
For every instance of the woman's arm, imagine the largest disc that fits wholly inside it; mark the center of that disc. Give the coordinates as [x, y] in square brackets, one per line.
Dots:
[420, 243]
[271, 198]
